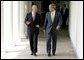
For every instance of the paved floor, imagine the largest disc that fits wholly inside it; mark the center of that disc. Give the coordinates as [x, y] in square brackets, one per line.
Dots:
[64, 49]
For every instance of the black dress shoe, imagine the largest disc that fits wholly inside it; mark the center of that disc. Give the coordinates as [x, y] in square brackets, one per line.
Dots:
[49, 54]
[34, 54]
[53, 54]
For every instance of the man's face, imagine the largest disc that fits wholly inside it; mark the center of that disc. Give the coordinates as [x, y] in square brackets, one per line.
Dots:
[51, 8]
[34, 8]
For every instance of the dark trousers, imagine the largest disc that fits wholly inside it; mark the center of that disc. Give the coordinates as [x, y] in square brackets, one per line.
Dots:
[52, 38]
[33, 38]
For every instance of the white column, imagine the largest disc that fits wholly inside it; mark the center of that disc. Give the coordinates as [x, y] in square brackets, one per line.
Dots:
[26, 11]
[16, 15]
[28, 5]
[7, 25]
[22, 18]
[25, 7]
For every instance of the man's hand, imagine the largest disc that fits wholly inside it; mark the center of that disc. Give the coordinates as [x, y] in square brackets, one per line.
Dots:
[27, 22]
[37, 26]
[58, 27]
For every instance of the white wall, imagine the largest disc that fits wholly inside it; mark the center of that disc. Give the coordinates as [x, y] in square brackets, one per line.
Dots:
[76, 26]
[1, 25]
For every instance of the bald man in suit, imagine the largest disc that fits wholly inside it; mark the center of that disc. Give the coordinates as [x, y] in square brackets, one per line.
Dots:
[33, 22]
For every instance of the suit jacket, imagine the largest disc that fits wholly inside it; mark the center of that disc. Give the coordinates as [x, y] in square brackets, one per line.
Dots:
[48, 24]
[32, 26]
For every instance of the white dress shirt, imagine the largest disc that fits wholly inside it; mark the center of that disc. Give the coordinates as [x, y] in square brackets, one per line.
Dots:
[52, 15]
[33, 15]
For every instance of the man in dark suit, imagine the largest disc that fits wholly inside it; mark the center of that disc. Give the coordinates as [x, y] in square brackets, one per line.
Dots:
[32, 20]
[53, 21]
[65, 14]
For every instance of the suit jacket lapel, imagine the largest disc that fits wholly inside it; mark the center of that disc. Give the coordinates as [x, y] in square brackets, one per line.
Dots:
[50, 17]
[35, 16]
[31, 16]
